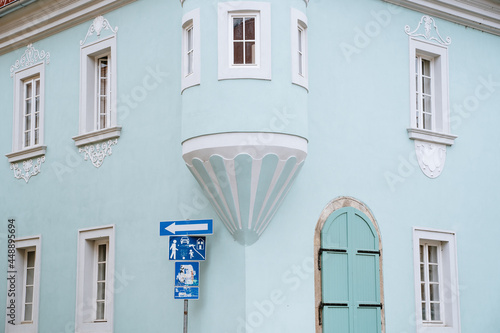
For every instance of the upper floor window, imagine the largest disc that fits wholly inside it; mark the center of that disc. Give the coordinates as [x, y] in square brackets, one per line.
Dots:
[98, 85]
[244, 40]
[436, 281]
[429, 85]
[191, 60]
[299, 48]
[29, 105]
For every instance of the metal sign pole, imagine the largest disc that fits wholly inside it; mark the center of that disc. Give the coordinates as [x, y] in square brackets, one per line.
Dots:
[185, 316]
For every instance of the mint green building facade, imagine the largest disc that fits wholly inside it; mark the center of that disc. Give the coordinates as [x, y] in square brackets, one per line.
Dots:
[347, 152]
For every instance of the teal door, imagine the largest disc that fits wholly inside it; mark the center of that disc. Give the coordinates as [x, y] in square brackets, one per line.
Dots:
[350, 272]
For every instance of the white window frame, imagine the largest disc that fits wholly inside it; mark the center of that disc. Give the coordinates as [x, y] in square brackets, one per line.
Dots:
[191, 20]
[438, 55]
[449, 296]
[299, 22]
[22, 246]
[262, 68]
[86, 286]
[89, 55]
[19, 152]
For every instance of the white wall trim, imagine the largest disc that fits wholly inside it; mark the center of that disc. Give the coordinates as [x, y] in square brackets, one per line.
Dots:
[482, 15]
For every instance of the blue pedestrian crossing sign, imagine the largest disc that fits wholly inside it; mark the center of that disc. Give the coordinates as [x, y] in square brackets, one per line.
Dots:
[187, 274]
[187, 248]
[186, 293]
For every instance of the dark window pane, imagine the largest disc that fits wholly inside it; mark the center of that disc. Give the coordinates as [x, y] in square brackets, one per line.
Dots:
[238, 53]
[238, 28]
[250, 53]
[250, 28]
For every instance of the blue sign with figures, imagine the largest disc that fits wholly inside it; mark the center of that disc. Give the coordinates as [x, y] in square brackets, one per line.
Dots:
[188, 227]
[187, 274]
[187, 248]
[186, 293]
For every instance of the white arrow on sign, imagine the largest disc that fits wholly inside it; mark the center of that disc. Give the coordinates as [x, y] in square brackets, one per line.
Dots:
[186, 227]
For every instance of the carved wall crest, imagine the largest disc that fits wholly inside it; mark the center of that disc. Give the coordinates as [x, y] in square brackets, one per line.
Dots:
[96, 153]
[425, 29]
[30, 57]
[30, 169]
[98, 25]
[431, 157]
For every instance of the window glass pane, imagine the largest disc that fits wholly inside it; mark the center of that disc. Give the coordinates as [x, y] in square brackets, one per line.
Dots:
[422, 291]
[190, 39]
[426, 67]
[250, 53]
[422, 273]
[300, 39]
[28, 90]
[102, 253]
[37, 87]
[101, 272]
[433, 273]
[426, 85]
[432, 254]
[300, 63]
[29, 295]
[238, 53]
[190, 62]
[37, 104]
[100, 311]
[104, 67]
[37, 120]
[27, 138]
[421, 253]
[103, 87]
[238, 28]
[250, 28]
[30, 276]
[28, 310]
[435, 311]
[36, 137]
[28, 106]
[27, 123]
[427, 121]
[424, 314]
[426, 106]
[101, 287]
[434, 292]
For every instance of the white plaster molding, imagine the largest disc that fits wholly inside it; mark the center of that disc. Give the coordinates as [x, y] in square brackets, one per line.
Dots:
[97, 136]
[96, 153]
[429, 26]
[44, 18]
[98, 25]
[483, 15]
[29, 169]
[25, 154]
[30, 57]
[431, 157]
[433, 137]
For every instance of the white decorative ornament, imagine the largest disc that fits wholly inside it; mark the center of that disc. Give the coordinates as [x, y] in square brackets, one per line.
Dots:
[96, 153]
[30, 57]
[99, 24]
[429, 25]
[29, 169]
[431, 157]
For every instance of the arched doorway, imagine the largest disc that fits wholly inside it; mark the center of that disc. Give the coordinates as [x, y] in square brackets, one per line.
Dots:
[349, 293]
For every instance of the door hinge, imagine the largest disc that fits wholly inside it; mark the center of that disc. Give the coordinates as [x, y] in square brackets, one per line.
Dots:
[370, 305]
[322, 305]
[369, 252]
[320, 252]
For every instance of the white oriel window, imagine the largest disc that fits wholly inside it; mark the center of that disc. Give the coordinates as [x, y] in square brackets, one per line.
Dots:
[95, 280]
[430, 281]
[29, 285]
[101, 257]
[299, 48]
[424, 82]
[436, 281]
[103, 94]
[31, 123]
[191, 59]
[244, 40]
[28, 130]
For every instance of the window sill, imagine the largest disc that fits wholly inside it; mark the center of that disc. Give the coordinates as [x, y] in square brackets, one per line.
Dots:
[26, 154]
[429, 136]
[96, 136]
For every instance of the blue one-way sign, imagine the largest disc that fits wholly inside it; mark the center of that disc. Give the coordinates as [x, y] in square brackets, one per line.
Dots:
[187, 248]
[188, 227]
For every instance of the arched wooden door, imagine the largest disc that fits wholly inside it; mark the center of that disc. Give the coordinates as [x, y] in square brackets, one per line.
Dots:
[350, 274]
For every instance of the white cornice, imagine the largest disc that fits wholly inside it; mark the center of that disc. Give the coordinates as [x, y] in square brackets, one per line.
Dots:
[47, 17]
[482, 15]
